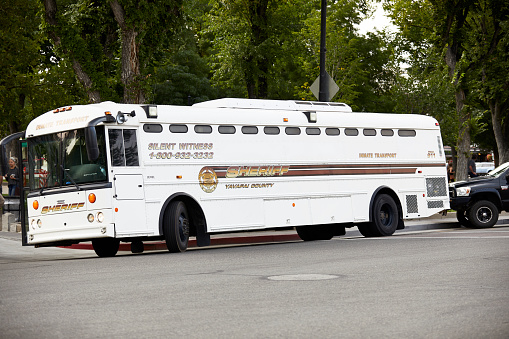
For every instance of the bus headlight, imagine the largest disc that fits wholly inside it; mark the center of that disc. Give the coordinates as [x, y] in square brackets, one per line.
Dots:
[90, 217]
[100, 217]
[32, 224]
[39, 223]
[463, 191]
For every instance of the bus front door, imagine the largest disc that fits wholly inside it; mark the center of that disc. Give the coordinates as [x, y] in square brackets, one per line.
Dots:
[129, 205]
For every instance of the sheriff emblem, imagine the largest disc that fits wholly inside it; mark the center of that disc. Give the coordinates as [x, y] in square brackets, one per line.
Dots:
[207, 179]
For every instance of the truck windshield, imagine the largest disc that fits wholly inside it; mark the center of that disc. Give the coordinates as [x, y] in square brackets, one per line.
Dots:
[499, 170]
[61, 159]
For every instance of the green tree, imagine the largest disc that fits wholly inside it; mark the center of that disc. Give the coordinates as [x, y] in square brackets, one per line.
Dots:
[255, 45]
[20, 57]
[488, 46]
[32, 80]
[182, 80]
[472, 39]
[442, 25]
[364, 67]
[94, 35]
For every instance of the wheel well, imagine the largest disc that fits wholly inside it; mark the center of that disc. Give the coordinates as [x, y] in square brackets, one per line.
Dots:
[394, 196]
[490, 196]
[193, 209]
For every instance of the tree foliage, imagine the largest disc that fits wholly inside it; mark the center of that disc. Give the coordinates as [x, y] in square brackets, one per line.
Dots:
[467, 35]
[61, 52]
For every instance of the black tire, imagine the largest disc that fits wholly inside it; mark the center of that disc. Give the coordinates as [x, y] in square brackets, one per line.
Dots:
[483, 214]
[385, 217]
[315, 232]
[106, 247]
[176, 227]
[365, 230]
[462, 217]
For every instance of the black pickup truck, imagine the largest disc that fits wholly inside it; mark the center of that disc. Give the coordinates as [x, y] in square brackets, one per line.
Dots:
[479, 201]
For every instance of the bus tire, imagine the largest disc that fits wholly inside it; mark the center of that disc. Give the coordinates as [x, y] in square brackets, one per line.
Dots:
[176, 227]
[365, 230]
[315, 232]
[385, 216]
[106, 247]
[483, 214]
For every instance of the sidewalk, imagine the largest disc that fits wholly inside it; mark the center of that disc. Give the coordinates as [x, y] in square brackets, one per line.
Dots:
[436, 221]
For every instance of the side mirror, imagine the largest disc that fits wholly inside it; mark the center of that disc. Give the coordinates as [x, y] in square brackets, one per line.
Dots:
[91, 136]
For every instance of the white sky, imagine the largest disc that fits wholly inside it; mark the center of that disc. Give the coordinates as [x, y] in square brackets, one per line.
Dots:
[377, 21]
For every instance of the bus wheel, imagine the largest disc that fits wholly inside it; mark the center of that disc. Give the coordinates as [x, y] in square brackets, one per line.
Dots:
[483, 214]
[365, 230]
[106, 247]
[385, 216]
[315, 232]
[176, 227]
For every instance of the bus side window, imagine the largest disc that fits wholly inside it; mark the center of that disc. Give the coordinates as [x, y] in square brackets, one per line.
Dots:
[387, 132]
[203, 129]
[273, 130]
[312, 131]
[153, 128]
[249, 129]
[226, 129]
[351, 132]
[178, 128]
[123, 147]
[292, 130]
[369, 132]
[332, 131]
[406, 133]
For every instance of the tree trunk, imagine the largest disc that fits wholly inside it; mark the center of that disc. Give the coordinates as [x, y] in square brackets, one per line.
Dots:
[500, 129]
[258, 65]
[463, 147]
[130, 73]
[50, 15]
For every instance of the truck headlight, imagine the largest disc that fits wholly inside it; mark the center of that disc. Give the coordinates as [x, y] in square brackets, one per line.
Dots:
[463, 191]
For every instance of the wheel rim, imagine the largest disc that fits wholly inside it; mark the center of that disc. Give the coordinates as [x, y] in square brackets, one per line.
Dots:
[183, 224]
[484, 214]
[386, 215]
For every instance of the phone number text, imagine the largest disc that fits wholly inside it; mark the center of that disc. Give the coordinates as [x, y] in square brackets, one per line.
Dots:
[181, 155]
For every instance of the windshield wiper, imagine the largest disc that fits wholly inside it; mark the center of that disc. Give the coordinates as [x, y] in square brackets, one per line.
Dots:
[68, 176]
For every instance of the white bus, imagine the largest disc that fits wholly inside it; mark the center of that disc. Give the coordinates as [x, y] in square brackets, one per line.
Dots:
[115, 172]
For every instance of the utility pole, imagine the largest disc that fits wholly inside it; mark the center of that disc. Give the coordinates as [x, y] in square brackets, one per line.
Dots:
[323, 94]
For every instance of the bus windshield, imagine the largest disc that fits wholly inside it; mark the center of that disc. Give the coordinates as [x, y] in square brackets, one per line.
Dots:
[61, 159]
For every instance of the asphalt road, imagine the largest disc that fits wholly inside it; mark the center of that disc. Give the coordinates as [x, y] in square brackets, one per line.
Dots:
[450, 283]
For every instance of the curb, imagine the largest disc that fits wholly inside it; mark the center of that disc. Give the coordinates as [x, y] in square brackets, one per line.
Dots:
[161, 245]
[437, 221]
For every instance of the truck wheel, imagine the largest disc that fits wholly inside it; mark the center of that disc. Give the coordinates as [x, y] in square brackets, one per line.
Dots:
[461, 215]
[106, 247]
[176, 227]
[385, 217]
[483, 214]
[315, 232]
